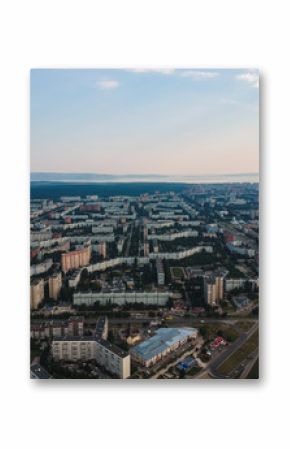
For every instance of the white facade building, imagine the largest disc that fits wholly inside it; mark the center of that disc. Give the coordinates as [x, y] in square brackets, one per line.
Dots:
[121, 298]
[114, 359]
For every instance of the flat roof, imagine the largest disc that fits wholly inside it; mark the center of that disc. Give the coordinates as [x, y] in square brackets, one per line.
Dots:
[113, 348]
[70, 338]
[162, 340]
[100, 326]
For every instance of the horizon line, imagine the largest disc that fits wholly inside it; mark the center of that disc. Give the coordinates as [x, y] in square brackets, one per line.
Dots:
[142, 174]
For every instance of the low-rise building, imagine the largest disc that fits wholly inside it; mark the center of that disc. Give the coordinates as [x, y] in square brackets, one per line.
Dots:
[161, 344]
[232, 284]
[240, 301]
[102, 327]
[74, 326]
[41, 268]
[74, 278]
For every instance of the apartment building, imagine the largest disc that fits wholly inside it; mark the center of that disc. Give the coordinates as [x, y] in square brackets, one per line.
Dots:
[160, 272]
[74, 278]
[214, 289]
[41, 268]
[146, 249]
[76, 259]
[57, 328]
[121, 298]
[36, 293]
[54, 285]
[102, 249]
[112, 358]
[74, 348]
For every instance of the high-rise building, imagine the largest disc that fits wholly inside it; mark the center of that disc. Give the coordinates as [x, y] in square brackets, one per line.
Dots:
[210, 295]
[102, 249]
[54, 285]
[214, 289]
[36, 293]
[146, 249]
[155, 246]
[219, 281]
[76, 259]
[160, 272]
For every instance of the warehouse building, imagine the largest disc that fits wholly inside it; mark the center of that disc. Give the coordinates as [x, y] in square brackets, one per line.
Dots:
[165, 340]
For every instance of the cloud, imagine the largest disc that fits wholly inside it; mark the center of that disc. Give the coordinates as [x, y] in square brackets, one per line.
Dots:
[252, 78]
[193, 74]
[161, 71]
[199, 75]
[108, 84]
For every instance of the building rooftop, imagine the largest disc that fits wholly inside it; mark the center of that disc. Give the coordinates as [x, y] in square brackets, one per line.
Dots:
[162, 340]
[36, 281]
[113, 348]
[100, 326]
[71, 338]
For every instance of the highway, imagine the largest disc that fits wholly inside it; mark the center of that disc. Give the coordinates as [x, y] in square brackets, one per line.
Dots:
[176, 321]
[249, 365]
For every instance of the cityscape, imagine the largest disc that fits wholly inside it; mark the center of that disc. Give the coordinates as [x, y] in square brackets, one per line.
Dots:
[150, 274]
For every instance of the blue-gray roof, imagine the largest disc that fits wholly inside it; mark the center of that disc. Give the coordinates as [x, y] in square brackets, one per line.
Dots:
[162, 340]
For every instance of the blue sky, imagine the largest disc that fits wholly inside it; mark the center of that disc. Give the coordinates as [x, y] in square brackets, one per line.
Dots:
[163, 121]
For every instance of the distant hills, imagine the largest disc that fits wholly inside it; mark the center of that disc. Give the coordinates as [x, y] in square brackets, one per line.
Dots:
[90, 177]
[129, 178]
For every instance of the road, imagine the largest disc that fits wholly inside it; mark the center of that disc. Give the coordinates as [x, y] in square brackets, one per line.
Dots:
[174, 363]
[129, 240]
[249, 365]
[212, 367]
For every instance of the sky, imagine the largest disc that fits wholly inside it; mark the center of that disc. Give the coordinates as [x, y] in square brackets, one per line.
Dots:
[145, 121]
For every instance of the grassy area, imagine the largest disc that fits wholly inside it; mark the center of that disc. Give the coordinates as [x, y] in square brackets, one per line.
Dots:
[225, 330]
[254, 372]
[240, 355]
[193, 371]
[35, 350]
[177, 272]
[33, 354]
[244, 325]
